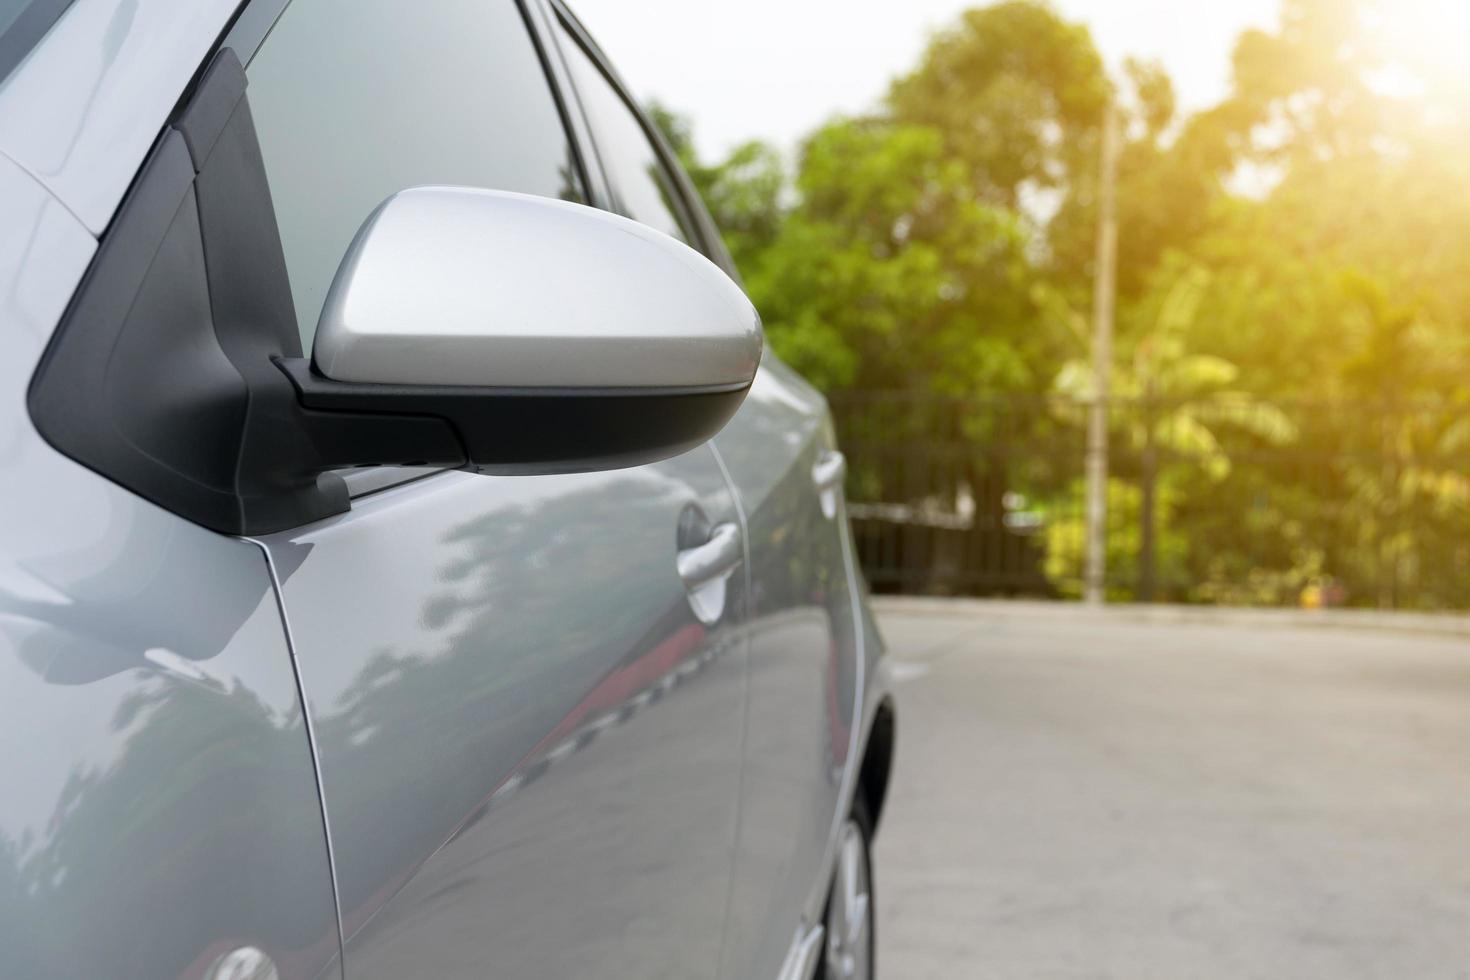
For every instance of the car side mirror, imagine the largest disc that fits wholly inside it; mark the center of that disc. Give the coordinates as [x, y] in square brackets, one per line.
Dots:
[522, 335]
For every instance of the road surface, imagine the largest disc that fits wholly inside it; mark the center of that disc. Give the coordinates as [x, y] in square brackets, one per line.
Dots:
[1101, 798]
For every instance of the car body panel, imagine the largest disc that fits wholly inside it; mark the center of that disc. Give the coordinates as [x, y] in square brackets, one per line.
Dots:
[529, 744]
[806, 670]
[160, 808]
[84, 107]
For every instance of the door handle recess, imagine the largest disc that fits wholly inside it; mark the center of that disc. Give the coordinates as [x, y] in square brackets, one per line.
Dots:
[713, 560]
[705, 570]
[828, 473]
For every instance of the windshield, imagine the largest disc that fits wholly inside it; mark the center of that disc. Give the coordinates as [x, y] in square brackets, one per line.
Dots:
[22, 24]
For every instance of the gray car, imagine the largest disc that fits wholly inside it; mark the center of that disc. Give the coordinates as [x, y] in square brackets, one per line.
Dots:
[411, 564]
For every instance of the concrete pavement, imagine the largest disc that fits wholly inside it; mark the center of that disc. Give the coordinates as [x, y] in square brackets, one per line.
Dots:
[1101, 797]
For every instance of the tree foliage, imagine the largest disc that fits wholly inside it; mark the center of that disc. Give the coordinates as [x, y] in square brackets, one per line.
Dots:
[891, 272]
[1017, 93]
[1300, 245]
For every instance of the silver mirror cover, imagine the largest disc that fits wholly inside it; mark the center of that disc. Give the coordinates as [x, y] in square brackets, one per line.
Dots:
[456, 286]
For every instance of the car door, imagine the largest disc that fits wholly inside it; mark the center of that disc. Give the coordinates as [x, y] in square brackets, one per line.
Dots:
[527, 693]
[804, 666]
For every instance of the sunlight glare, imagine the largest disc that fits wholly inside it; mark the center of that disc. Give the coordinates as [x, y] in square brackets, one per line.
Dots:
[1428, 40]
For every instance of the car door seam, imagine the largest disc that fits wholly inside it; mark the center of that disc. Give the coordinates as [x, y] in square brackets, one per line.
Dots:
[746, 613]
[311, 742]
[848, 789]
[55, 198]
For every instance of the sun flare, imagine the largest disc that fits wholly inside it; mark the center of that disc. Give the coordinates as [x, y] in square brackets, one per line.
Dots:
[1425, 40]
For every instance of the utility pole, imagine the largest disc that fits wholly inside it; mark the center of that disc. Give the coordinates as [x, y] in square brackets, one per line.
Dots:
[1103, 290]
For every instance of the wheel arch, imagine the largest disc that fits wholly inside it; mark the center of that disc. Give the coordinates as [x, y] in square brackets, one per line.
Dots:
[877, 766]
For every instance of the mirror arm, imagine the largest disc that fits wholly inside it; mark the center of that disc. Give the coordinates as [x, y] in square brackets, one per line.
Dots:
[349, 436]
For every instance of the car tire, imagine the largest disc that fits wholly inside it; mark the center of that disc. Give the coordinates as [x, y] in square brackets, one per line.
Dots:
[851, 934]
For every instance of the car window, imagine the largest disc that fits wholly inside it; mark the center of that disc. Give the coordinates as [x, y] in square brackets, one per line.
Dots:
[642, 184]
[355, 100]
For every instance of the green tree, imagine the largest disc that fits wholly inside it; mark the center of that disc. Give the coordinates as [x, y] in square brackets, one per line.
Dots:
[1171, 180]
[1017, 93]
[892, 272]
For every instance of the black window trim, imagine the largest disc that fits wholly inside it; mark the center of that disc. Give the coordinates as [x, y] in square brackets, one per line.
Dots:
[594, 177]
[253, 23]
[686, 200]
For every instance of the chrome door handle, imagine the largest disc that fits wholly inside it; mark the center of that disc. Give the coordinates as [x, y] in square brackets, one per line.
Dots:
[830, 470]
[828, 473]
[714, 560]
[706, 568]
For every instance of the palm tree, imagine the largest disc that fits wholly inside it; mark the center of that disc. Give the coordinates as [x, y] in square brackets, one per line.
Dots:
[1183, 399]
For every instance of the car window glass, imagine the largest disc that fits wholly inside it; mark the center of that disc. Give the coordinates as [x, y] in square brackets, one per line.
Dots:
[640, 180]
[355, 100]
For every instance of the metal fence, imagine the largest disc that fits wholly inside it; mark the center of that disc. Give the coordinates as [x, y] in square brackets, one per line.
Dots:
[1221, 500]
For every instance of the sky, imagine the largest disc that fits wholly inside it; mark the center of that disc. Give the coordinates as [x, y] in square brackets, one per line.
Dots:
[779, 68]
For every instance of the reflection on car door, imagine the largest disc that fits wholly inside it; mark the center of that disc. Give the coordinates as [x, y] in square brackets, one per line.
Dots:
[529, 743]
[804, 664]
[158, 806]
[528, 738]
